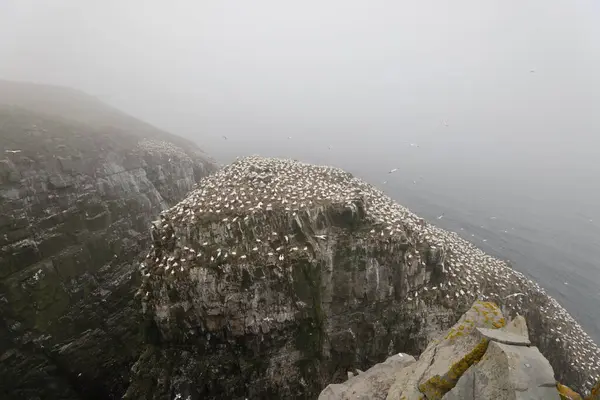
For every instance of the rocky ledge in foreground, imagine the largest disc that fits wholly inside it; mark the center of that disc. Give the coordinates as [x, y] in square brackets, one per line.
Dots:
[474, 360]
[275, 278]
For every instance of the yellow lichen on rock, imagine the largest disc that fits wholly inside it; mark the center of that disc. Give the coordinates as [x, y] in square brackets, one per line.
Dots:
[460, 349]
[595, 395]
[567, 393]
[491, 313]
[437, 385]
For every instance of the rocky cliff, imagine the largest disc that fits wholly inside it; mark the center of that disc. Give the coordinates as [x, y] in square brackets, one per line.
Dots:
[480, 358]
[79, 186]
[275, 278]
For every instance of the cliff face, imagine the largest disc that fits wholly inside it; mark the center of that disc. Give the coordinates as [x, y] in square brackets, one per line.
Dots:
[479, 358]
[76, 201]
[275, 278]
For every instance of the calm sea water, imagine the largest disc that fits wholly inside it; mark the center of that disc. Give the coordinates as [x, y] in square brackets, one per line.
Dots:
[554, 244]
[560, 252]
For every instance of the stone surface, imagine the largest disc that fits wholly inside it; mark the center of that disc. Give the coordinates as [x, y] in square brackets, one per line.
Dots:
[508, 372]
[446, 358]
[277, 277]
[464, 388]
[503, 372]
[458, 349]
[79, 185]
[518, 326]
[501, 336]
[372, 384]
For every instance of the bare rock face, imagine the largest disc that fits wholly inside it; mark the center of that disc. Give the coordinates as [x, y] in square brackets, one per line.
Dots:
[276, 278]
[447, 358]
[462, 364]
[76, 202]
[507, 372]
[373, 384]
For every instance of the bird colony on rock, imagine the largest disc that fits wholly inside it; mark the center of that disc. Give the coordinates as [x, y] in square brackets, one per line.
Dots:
[231, 203]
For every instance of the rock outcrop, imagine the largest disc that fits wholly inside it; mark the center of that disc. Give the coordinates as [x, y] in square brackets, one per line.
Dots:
[372, 384]
[462, 364]
[276, 278]
[77, 197]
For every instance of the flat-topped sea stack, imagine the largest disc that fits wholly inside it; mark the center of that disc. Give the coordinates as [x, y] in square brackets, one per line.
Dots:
[275, 278]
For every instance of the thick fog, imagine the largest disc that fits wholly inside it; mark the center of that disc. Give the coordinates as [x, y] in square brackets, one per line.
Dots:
[480, 85]
[499, 100]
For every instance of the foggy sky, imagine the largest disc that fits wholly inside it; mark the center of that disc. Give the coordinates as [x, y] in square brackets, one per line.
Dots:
[364, 77]
[355, 75]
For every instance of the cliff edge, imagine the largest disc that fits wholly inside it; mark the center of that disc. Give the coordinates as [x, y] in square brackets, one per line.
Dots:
[480, 358]
[274, 278]
[79, 185]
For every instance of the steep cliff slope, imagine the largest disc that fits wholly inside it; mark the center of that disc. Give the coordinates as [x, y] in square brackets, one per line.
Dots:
[76, 201]
[275, 278]
[75, 105]
[479, 358]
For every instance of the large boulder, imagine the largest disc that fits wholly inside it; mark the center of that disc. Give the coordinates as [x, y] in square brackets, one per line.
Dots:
[468, 362]
[373, 384]
[76, 203]
[448, 357]
[276, 278]
[507, 372]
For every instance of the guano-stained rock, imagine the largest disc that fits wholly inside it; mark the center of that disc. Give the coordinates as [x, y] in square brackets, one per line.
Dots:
[276, 278]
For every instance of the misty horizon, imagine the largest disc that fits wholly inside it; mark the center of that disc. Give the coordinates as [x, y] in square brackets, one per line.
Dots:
[501, 98]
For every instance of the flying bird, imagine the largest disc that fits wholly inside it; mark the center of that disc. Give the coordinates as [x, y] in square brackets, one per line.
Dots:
[13, 151]
[393, 170]
[224, 137]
